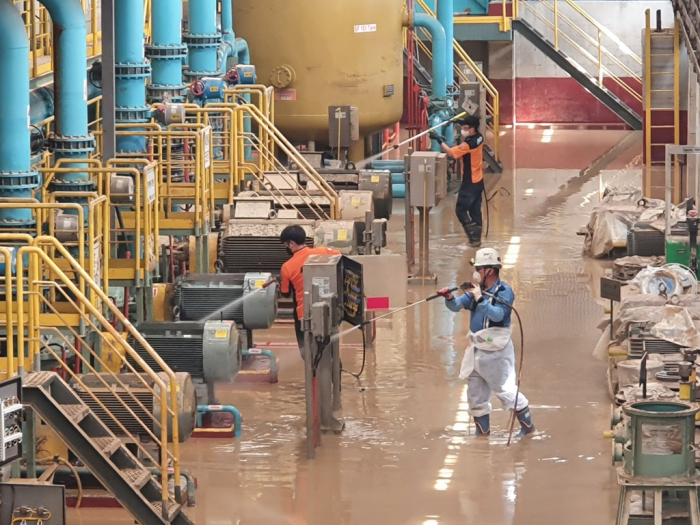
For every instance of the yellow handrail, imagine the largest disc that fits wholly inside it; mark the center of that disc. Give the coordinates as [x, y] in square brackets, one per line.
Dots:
[37, 262]
[601, 52]
[493, 107]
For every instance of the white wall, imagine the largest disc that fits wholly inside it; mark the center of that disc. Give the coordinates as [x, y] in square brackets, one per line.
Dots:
[625, 19]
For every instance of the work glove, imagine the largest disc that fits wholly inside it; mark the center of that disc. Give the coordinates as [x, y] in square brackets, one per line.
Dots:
[476, 292]
[445, 292]
[437, 137]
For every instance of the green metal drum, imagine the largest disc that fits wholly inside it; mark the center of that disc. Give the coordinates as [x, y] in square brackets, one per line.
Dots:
[663, 436]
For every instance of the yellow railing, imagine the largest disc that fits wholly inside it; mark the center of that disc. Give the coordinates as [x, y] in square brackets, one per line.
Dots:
[260, 96]
[186, 172]
[315, 199]
[591, 48]
[40, 31]
[36, 272]
[493, 105]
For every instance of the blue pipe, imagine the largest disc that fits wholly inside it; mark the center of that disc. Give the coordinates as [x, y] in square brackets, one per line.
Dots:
[203, 40]
[237, 418]
[445, 15]
[270, 356]
[439, 51]
[71, 138]
[167, 52]
[131, 72]
[17, 180]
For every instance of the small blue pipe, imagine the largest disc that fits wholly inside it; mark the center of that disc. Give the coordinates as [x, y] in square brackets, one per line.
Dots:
[167, 52]
[131, 73]
[270, 356]
[237, 418]
[394, 166]
[399, 190]
[71, 139]
[16, 176]
[445, 15]
[439, 51]
[203, 40]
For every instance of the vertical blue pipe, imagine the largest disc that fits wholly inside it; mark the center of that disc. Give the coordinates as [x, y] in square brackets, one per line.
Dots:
[445, 15]
[439, 51]
[71, 138]
[131, 71]
[166, 52]
[203, 40]
[16, 177]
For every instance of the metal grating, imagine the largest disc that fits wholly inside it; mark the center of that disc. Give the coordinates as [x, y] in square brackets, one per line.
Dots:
[109, 400]
[37, 378]
[255, 254]
[107, 445]
[136, 476]
[181, 353]
[75, 412]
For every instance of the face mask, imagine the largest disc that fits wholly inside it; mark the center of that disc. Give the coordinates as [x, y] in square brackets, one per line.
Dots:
[476, 277]
[289, 251]
[465, 134]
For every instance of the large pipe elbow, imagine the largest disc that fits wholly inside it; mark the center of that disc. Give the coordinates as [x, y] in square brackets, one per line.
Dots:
[241, 50]
[437, 32]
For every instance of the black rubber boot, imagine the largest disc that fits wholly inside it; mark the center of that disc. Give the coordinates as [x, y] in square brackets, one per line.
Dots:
[475, 237]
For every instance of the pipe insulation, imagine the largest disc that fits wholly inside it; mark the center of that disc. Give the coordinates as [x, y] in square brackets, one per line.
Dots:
[203, 40]
[17, 179]
[71, 138]
[131, 72]
[167, 52]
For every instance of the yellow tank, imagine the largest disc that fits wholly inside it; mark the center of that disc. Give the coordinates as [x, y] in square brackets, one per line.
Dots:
[318, 53]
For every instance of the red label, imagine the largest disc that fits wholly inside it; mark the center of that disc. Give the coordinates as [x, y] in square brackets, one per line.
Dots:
[254, 351]
[215, 407]
[285, 94]
[377, 303]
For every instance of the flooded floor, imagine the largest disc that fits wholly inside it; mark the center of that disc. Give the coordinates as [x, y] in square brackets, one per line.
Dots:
[408, 455]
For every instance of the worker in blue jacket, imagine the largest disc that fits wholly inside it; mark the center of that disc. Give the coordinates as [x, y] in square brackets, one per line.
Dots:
[489, 361]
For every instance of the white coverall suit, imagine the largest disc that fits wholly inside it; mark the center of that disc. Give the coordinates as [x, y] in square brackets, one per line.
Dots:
[489, 361]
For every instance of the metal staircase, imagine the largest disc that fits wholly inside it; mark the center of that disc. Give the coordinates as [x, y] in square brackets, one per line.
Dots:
[131, 483]
[578, 73]
[594, 63]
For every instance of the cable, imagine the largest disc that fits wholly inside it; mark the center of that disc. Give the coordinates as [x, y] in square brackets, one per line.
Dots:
[364, 358]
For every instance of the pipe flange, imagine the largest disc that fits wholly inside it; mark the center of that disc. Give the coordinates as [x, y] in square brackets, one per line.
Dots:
[29, 225]
[160, 93]
[212, 40]
[129, 115]
[19, 180]
[72, 185]
[71, 145]
[200, 74]
[171, 52]
[132, 71]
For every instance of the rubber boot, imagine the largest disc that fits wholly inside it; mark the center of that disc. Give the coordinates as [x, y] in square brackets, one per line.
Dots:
[469, 229]
[525, 419]
[475, 237]
[483, 428]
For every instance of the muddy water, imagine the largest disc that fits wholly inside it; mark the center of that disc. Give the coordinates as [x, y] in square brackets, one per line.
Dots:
[408, 455]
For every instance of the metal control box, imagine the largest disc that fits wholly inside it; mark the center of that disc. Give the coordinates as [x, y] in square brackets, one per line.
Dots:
[327, 275]
[343, 121]
[428, 178]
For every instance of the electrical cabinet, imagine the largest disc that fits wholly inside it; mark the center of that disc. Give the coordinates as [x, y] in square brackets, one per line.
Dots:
[428, 178]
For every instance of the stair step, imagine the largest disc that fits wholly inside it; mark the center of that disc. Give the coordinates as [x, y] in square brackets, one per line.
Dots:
[108, 445]
[36, 379]
[137, 477]
[76, 412]
[173, 509]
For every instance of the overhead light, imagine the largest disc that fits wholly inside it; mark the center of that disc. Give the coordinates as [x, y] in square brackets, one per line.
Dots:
[529, 191]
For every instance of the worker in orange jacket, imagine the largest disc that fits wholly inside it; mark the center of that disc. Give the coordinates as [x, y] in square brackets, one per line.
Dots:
[469, 198]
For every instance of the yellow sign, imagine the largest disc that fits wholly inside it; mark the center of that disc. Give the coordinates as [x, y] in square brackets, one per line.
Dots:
[375, 178]
[259, 283]
[355, 201]
[342, 235]
[221, 334]
[214, 89]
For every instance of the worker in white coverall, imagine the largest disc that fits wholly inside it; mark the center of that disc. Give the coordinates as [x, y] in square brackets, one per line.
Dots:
[489, 361]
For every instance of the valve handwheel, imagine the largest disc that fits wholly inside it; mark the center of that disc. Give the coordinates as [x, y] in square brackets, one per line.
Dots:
[197, 88]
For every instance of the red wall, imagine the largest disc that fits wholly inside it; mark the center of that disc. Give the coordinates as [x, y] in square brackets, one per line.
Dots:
[557, 101]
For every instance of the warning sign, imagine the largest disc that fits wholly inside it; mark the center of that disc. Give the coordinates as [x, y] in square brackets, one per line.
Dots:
[662, 440]
[286, 94]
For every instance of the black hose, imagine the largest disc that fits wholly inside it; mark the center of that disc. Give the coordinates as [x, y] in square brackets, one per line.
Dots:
[364, 357]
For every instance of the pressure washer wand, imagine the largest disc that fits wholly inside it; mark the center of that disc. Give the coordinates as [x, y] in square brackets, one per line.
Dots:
[402, 143]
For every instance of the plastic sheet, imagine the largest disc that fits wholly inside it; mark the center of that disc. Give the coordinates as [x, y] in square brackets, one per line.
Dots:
[628, 371]
[610, 221]
[677, 326]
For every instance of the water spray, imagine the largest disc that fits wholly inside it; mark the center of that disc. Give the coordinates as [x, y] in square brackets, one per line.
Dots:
[233, 303]
[361, 164]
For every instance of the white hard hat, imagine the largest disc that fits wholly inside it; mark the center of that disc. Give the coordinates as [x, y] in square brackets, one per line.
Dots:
[487, 257]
